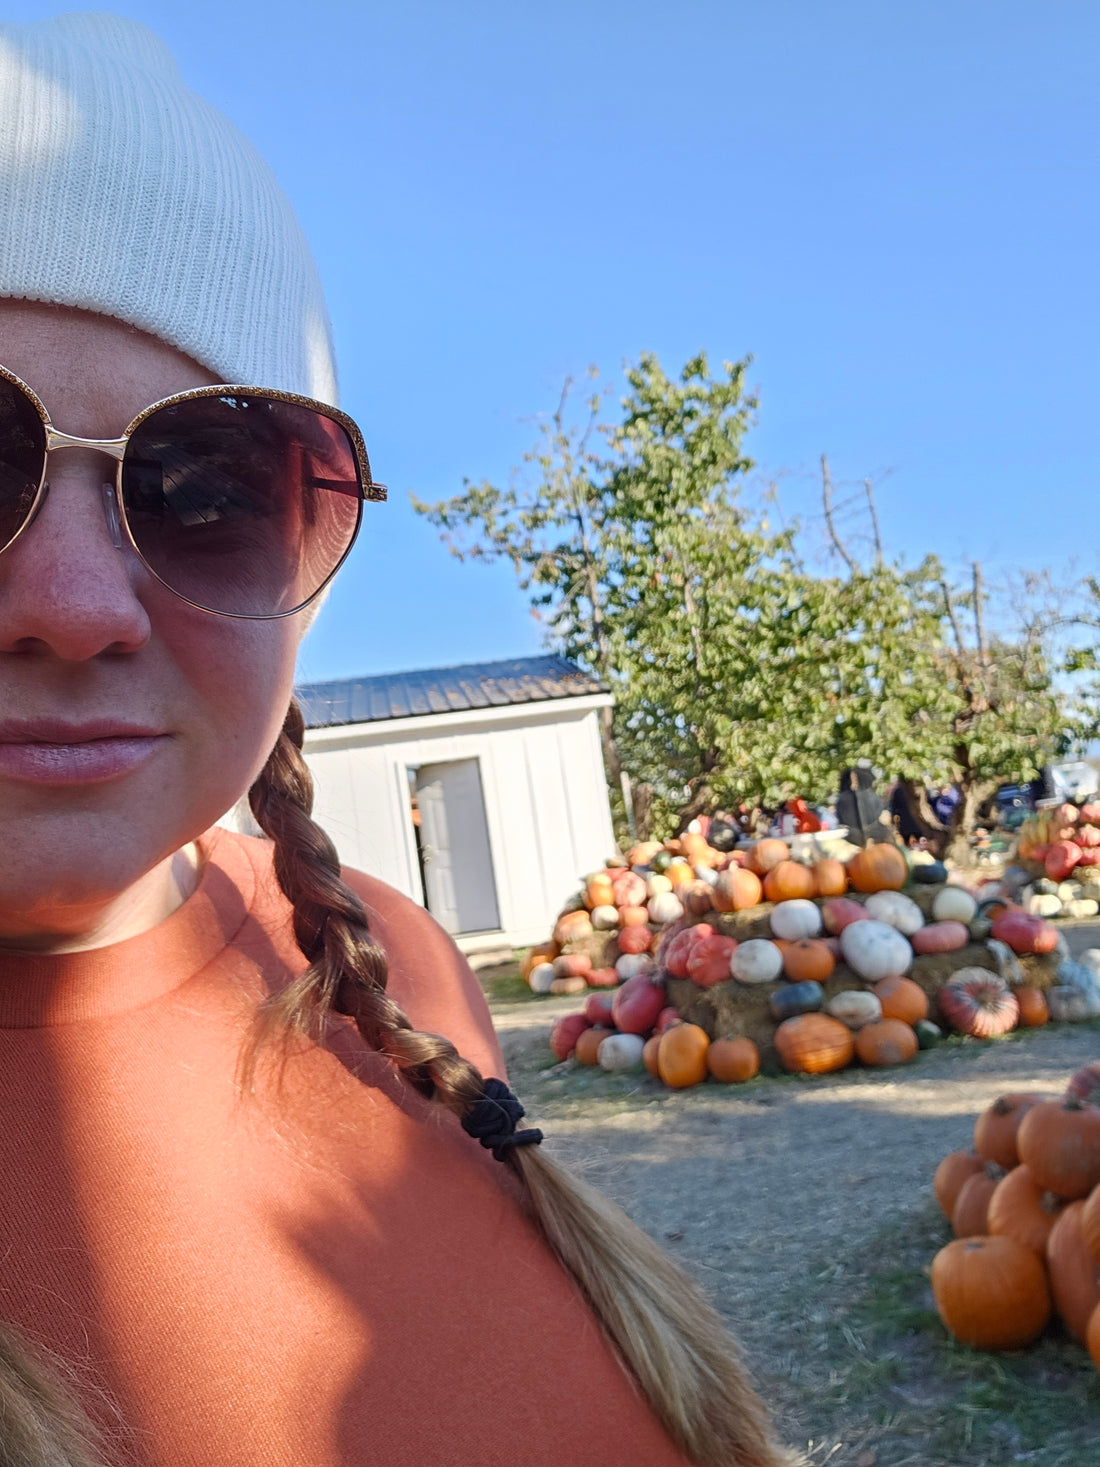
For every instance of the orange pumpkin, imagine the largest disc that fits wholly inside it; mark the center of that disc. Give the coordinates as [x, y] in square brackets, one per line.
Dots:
[808, 959]
[682, 1056]
[830, 878]
[789, 881]
[680, 876]
[572, 927]
[545, 952]
[572, 965]
[1020, 1209]
[995, 1129]
[1090, 1224]
[902, 999]
[814, 1044]
[588, 1043]
[649, 1055]
[698, 898]
[597, 891]
[733, 1060]
[956, 1168]
[1092, 1337]
[970, 1215]
[634, 938]
[889, 1042]
[767, 854]
[696, 849]
[633, 916]
[643, 852]
[1060, 1141]
[1074, 1275]
[878, 867]
[737, 890]
[991, 1293]
[1034, 1010]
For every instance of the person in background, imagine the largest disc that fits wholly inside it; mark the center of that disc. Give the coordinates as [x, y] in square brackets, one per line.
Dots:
[266, 1198]
[860, 809]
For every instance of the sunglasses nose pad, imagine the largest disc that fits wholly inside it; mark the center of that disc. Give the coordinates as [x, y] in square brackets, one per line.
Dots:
[110, 509]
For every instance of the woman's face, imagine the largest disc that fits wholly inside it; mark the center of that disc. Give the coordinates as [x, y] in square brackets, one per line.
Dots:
[178, 708]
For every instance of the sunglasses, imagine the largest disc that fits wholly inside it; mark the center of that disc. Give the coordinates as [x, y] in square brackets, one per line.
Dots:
[242, 501]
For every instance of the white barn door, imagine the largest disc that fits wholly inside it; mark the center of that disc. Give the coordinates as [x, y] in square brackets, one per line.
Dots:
[458, 863]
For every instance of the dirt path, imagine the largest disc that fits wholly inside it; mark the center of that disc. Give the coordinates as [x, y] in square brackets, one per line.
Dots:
[778, 1194]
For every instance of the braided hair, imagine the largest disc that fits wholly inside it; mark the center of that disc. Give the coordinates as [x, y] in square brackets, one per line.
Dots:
[658, 1322]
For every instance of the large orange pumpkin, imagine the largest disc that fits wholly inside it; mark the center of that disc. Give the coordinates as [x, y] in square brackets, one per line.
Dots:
[830, 878]
[1060, 1141]
[737, 890]
[991, 1293]
[1020, 1209]
[1090, 1224]
[956, 1168]
[814, 1044]
[970, 1215]
[733, 1060]
[888, 1042]
[1074, 1275]
[788, 881]
[1092, 1337]
[1034, 1009]
[767, 854]
[995, 1129]
[809, 958]
[902, 999]
[682, 1056]
[878, 867]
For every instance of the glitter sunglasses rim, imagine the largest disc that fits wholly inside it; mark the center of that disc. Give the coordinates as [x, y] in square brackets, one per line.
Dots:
[115, 448]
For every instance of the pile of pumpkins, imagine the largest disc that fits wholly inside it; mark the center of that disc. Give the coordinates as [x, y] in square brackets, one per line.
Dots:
[1065, 843]
[1025, 1208]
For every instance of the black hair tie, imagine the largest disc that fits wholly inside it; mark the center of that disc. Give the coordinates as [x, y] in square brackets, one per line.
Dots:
[493, 1119]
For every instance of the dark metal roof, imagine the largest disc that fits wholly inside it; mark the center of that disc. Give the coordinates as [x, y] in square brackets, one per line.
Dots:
[443, 690]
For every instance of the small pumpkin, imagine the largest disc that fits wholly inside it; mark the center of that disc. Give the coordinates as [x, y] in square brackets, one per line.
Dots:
[902, 999]
[631, 965]
[1061, 858]
[572, 927]
[597, 891]
[682, 1056]
[680, 876]
[1074, 1274]
[767, 854]
[635, 939]
[637, 1004]
[573, 983]
[668, 1018]
[545, 952]
[1060, 1141]
[1090, 1224]
[708, 962]
[1024, 933]
[875, 950]
[830, 877]
[1085, 1083]
[841, 912]
[929, 873]
[796, 998]
[809, 958]
[620, 1052]
[657, 885]
[642, 854]
[956, 1168]
[855, 1007]
[603, 978]
[991, 1293]
[664, 908]
[605, 919]
[979, 1003]
[633, 917]
[587, 1046]
[997, 1128]
[698, 898]
[736, 890]
[1020, 1209]
[789, 881]
[572, 965]
[540, 977]
[901, 912]
[928, 1034]
[676, 948]
[649, 1055]
[954, 904]
[889, 1042]
[756, 961]
[970, 1215]
[814, 1044]
[796, 919]
[940, 937]
[598, 1009]
[565, 1033]
[733, 1061]
[628, 890]
[1092, 1337]
[878, 867]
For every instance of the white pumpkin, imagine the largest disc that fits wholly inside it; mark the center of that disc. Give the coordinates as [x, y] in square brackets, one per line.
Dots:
[605, 919]
[620, 1051]
[855, 1008]
[542, 975]
[875, 950]
[631, 964]
[1067, 891]
[665, 908]
[1082, 907]
[954, 904]
[657, 885]
[1068, 1005]
[1043, 905]
[796, 919]
[899, 911]
[707, 874]
[756, 961]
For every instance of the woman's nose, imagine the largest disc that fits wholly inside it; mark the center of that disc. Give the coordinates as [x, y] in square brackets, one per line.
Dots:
[69, 583]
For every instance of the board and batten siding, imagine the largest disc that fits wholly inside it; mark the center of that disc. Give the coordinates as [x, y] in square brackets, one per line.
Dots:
[542, 779]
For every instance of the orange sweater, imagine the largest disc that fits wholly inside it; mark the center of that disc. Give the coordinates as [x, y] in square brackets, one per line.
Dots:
[329, 1275]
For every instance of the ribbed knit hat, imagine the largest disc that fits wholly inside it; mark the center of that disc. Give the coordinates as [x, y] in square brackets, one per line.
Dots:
[125, 193]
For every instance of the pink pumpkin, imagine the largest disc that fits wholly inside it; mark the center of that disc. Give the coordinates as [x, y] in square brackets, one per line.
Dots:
[940, 937]
[709, 961]
[603, 978]
[1024, 933]
[840, 912]
[635, 939]
[1061, 858]
[675, 952]
[667, 1019]
[637, 1005]
[1090, 857]
[1090, 814]
[598, 1009]
[628, 890]
[565, 1033]
[1088, 837]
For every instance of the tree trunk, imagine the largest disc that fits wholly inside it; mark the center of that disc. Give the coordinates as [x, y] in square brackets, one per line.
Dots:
[929, 824]
[974, 795]
[643, 810]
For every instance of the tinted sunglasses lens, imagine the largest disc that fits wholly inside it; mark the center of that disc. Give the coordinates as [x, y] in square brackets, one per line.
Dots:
[244, 505]
[22, 454]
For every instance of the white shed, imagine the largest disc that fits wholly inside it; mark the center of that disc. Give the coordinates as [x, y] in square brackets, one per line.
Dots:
[479, 790]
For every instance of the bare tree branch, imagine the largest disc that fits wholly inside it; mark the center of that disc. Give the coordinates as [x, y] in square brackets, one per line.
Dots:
[827, 500]
[979, 615]
[869, 490]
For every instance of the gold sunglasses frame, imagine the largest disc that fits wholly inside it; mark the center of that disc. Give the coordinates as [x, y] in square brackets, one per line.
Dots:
[115, 448]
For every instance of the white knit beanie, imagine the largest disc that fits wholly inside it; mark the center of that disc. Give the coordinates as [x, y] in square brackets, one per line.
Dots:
[125, 193]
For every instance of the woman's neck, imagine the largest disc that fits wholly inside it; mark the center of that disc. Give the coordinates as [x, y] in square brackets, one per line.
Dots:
[144, 905]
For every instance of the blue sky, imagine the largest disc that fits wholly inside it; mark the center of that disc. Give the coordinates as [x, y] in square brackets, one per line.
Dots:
[894, 208]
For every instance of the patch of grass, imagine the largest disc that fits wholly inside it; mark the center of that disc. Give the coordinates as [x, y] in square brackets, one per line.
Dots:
[502, 984]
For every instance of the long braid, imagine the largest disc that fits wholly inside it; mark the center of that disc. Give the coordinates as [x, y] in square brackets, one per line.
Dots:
[657, 1320]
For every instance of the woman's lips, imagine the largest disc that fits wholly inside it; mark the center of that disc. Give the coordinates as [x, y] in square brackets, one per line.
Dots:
[38, 754]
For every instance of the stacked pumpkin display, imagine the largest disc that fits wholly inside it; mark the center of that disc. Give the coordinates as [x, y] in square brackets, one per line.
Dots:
[1061, 849]
[824, 974]
[1025, 1209]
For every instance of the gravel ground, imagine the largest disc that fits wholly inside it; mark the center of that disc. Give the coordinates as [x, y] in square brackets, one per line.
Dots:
[778, 1195]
